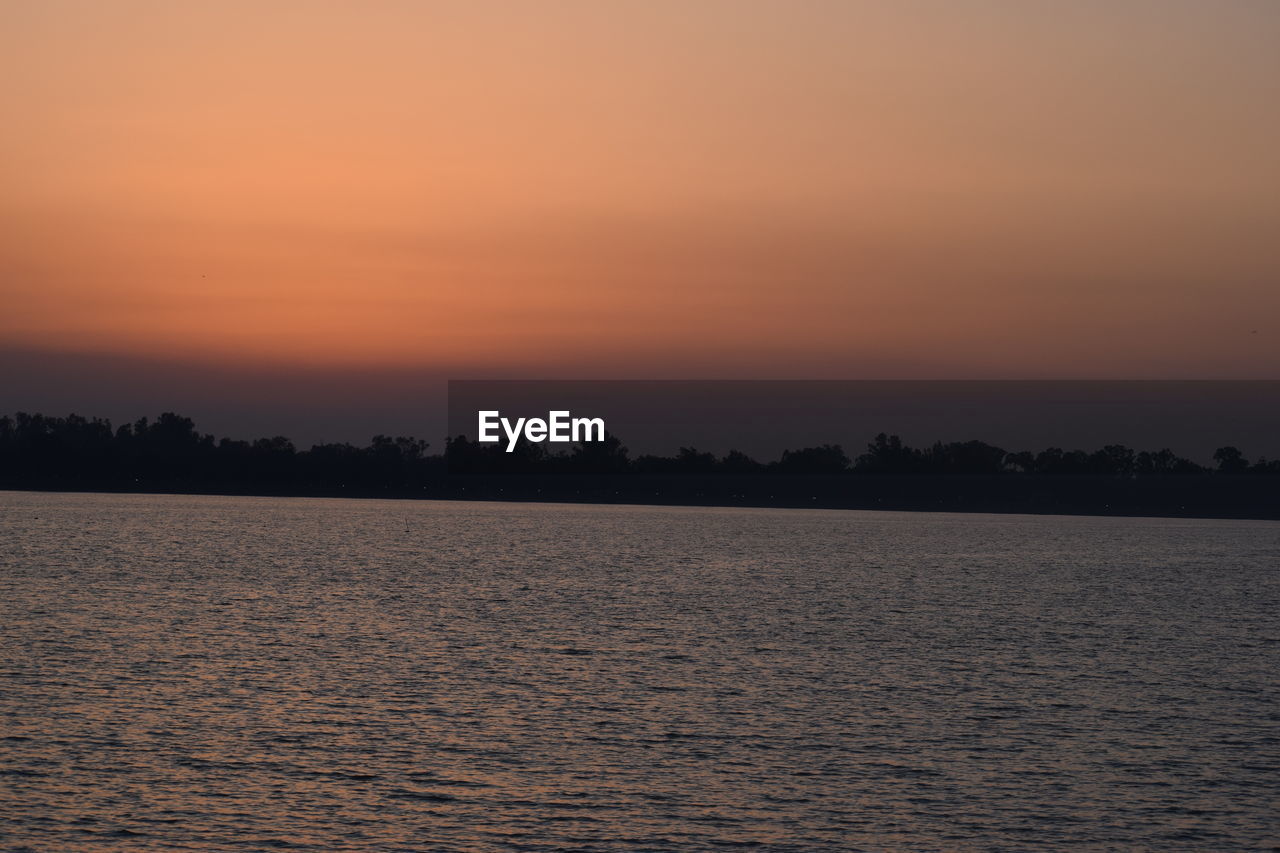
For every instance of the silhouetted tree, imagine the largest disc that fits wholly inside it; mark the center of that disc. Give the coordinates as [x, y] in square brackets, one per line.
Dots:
[737, 462]
[1023, 462]
[1162, 463]
[1055, 460]
[1230, 460]
[1113, 460]
[1262, 466]
[968, 457]
[601, 457]
[827, 459]
[888, 455]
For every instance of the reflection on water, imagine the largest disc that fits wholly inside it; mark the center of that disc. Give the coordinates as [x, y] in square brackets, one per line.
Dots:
[252, 673]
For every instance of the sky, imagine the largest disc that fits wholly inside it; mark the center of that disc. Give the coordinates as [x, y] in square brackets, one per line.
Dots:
[807, 189]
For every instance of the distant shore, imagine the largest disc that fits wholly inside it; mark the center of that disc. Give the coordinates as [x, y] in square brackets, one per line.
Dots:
[169, 455]
[1208, 496]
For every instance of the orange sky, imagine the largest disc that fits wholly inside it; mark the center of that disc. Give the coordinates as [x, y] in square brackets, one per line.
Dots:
[936, 189]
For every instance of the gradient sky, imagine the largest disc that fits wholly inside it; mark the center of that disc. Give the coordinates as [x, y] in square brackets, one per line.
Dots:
[754, 189]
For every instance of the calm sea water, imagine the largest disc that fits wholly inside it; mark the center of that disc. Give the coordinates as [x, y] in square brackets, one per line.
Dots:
[205, 673]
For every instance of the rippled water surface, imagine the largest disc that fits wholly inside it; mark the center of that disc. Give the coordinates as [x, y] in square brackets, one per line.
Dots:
[205, 673]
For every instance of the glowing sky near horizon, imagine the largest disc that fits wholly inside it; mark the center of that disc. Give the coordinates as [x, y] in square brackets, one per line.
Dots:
[844, 189]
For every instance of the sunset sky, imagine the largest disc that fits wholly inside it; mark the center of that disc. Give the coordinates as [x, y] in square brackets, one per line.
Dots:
[752, 189]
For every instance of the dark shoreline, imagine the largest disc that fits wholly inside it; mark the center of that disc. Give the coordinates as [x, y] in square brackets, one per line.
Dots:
[170, 455]
[1214, 496]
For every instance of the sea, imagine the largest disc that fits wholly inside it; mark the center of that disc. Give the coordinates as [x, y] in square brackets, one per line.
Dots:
[207, 673]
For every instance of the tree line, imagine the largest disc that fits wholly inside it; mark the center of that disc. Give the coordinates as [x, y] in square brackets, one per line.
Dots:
[886, 454]
[170, 453]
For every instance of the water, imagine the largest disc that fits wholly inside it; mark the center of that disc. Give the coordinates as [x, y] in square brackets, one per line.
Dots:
[205, 673]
